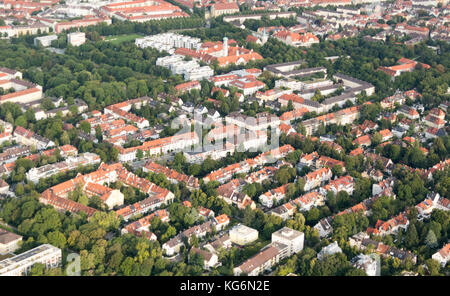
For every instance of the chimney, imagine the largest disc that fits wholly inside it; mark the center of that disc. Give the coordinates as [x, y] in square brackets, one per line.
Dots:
[225, 46]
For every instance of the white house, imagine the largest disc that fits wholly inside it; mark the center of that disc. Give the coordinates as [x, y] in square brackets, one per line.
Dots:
[292, 238]
[443, 255]
[367, 263]
[210, 260]
[329, 250]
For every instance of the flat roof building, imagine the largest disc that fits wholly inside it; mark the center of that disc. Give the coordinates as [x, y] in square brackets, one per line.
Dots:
[292, 238]
[243, 235]
[21, 264]
[45, 41]
[76, 38]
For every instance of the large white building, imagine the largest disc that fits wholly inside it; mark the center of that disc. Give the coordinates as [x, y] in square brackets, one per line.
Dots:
[292, 238]
[76, 38]
[71, 163]
[285, 243]
[168, 60]
[21, 264]
[169, 42]
[24, 92]
[243, 235]
[45, 41]
[199, 73]
[160, 146]
[191, 70]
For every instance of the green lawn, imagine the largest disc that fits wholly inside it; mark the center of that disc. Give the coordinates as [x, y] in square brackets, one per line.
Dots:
[116, 39]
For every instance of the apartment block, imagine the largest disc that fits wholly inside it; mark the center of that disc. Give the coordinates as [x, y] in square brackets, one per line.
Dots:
[21, 264]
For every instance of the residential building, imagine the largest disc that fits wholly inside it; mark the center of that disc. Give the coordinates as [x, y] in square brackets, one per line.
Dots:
[168, 42]
[29, 138]
[344, 183]
[221, 221]
[385, 135]
[434, 122]
[141, 227]
[260, 122]
[188, 86]
[329, 250]
[248, 85]
[295, 39]
[76, 38]
[231, 192]
[367, 263]
[292, 238]
[362, 242]
[443, 255]
[284, 211]
[110, 197]
[308, 201]
[243, 235]
[363, 141]
[21, 264]
[214, 152]
[160, 146]
[6, 73]
[172, 175]
[405, 65]
[9, 242]
[24, 91]
[45, 41]
[4, 187]
[172, 246]
[262, 261]
[210, 260]
[324, 227]
[79, 23]
[222, 242]
[391, 226]
[315, 178]
[409, 112]
[71, 163]
[222, 8]
[273, 196]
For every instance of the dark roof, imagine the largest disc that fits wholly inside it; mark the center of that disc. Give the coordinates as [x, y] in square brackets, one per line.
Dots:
[340, 98]
[6, 237]
[205, 254]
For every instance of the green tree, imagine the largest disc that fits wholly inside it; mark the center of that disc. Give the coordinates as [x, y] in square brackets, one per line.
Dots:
[139, 154]
[431, 240]
[57, 239]
[37, 269]
[411, 237]
[85, 126]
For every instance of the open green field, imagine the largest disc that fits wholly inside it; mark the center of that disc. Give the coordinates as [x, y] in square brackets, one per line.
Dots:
[116, 39]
